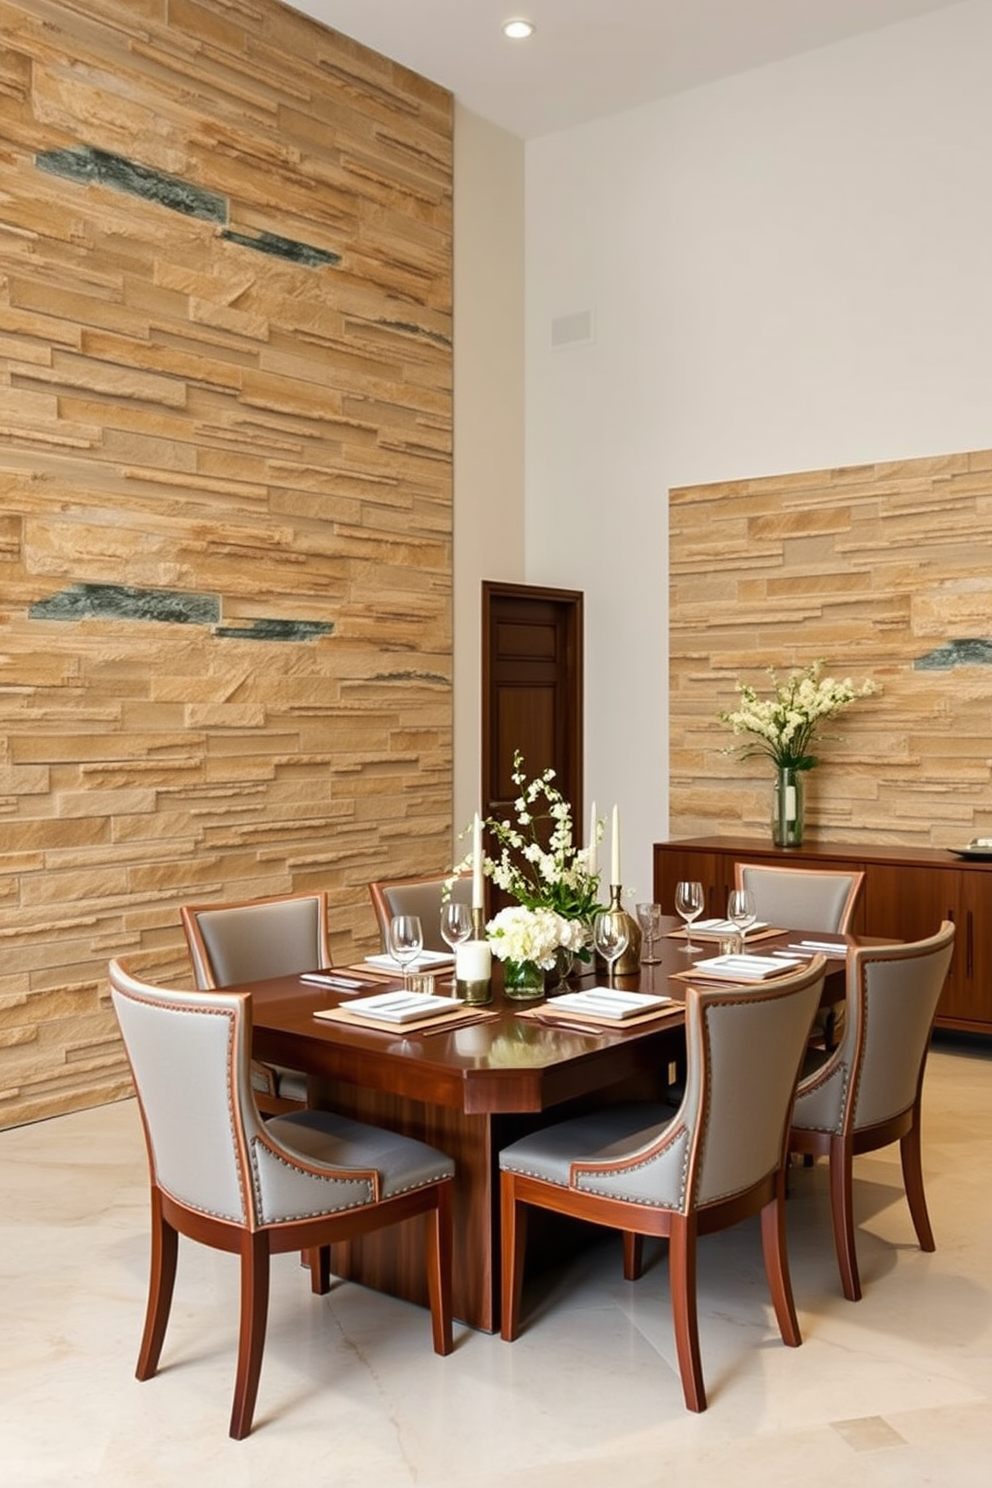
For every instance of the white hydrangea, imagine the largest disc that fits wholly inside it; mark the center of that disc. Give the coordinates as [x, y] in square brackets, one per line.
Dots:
[519, 934]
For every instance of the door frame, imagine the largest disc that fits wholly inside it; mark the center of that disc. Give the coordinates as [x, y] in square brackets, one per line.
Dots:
[572, 604]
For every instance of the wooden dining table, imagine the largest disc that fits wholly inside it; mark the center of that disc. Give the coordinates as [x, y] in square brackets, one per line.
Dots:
[470, 1088]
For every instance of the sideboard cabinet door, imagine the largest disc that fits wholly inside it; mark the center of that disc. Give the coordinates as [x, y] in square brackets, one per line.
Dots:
[673, 863]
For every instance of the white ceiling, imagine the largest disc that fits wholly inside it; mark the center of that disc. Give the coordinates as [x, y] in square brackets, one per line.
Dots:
[589, 58]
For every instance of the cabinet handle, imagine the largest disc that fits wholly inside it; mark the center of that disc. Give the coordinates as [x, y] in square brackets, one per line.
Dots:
[969, 940]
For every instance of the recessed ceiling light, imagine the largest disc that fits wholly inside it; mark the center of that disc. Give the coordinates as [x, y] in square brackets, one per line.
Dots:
[518, 30]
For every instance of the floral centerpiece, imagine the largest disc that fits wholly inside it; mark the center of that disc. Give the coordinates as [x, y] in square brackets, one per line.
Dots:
[785, 727]
[552, 880]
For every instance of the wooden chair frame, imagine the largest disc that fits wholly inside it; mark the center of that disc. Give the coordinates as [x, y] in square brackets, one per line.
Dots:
[254, 1242]
[267, 1076]
[683, 1225]
[841, 1146]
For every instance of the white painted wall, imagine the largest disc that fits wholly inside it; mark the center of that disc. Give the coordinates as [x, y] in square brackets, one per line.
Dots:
[488, 414]
[788, 270]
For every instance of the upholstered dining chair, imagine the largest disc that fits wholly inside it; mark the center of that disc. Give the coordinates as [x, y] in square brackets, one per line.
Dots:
[644, 1171]
[417, 896]
[821, 899]
[223, 1177]
[250, 940]
[867, 1092]
[802, 898]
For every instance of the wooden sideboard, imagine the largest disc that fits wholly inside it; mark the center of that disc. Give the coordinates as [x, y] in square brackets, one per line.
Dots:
[907, 892]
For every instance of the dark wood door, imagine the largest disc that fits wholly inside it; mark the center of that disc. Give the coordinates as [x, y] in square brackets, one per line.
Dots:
[531, 692]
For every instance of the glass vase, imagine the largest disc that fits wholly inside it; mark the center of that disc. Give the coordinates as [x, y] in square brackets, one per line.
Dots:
[523, 980]
[556, 980]
[787, 808]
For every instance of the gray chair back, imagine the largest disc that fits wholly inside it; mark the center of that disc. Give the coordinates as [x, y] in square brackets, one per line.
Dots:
[189, 1060]
[417, 896]
[208, 1147]
[745, 1048]
[876, 1070]
[745, 1052]
[802, 898]
[232, 943]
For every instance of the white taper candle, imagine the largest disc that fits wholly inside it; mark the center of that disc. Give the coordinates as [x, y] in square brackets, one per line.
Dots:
[477, 876]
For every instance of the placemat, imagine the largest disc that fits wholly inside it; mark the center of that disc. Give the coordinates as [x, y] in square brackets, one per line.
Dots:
[371, 973]
[546, 1014]
[430, 1021]
[444, 976]
[788, 968]
[768, 933]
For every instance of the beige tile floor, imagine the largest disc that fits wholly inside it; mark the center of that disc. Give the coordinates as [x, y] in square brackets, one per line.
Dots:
[894, 1390]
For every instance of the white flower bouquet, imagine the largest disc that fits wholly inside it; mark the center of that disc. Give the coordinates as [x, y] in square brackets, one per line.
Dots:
[521, 934]
[550, 877]
[785, 726]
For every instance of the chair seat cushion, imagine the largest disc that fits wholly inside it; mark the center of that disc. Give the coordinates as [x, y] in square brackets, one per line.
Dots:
[614, 1133]
[291, 1084]
[324, 1138]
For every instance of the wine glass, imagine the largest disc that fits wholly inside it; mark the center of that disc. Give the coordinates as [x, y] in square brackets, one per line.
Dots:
[456, 923]
[741, 909]
[689, 905]
[649, 916]
[610, 936]
[406, 941]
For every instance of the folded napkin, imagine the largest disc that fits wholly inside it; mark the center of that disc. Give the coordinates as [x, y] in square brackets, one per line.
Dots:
[727, 927]
[404, 1007]
[829, 947]
[331, 979]
[425, 961]
[607, 1002]
[737, 968]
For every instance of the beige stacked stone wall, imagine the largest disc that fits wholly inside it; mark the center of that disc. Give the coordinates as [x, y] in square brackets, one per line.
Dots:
[225, 495]
[883, 571]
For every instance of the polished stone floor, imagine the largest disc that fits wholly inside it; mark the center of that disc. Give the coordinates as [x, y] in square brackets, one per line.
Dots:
[894, 1390]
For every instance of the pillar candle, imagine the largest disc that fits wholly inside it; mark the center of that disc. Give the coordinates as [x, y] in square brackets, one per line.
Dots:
[473, 961]
[615, 863]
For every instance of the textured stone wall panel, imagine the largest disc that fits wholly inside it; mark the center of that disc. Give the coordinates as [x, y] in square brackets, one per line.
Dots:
[883, 572]
[225, 495]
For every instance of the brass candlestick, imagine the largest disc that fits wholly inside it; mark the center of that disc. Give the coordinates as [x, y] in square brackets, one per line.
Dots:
[629, 963]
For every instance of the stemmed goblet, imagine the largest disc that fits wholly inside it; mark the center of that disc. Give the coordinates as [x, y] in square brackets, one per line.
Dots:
[649, 916]
[741, 909]
[456, 923]
[406, 941]
[610, 936]
[689, 905]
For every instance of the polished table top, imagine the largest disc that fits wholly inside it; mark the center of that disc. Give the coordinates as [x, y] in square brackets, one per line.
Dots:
[505, 1062]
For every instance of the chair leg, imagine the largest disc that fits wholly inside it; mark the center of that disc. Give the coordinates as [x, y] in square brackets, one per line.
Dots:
[776, 1255]
[251, 1340]
[318, 1258]
[842, 1216]
[633, 1256]
[161, 1281]
[912, 1176]
[513, 1240]
[439, 1248]
[682, 1282]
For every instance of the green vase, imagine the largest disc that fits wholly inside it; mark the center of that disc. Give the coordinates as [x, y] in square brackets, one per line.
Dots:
[787, 808]
[523, 980]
